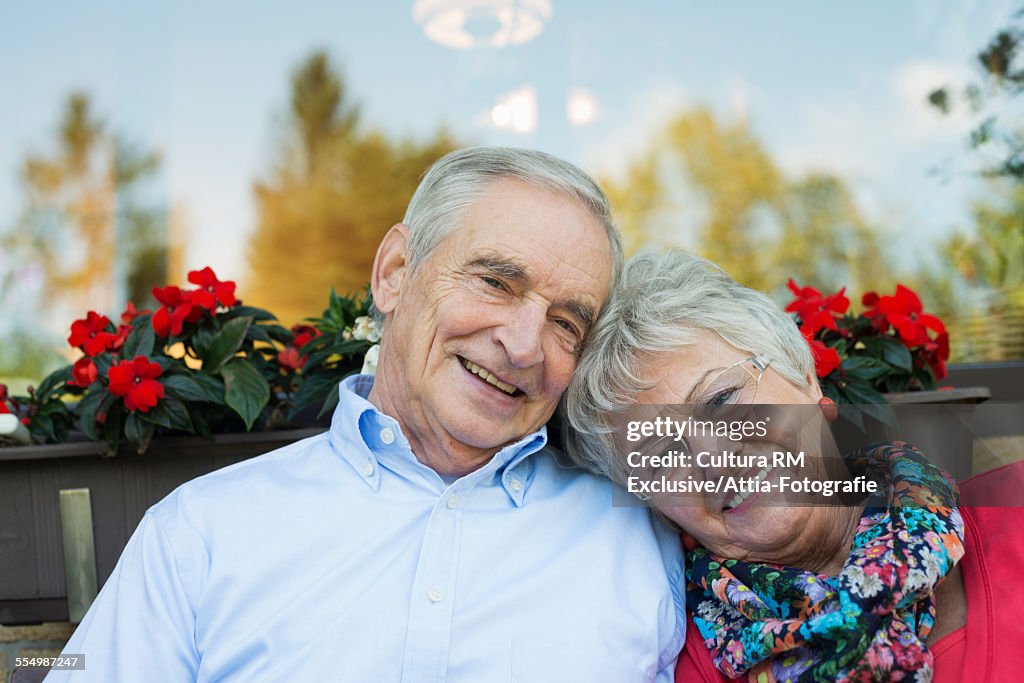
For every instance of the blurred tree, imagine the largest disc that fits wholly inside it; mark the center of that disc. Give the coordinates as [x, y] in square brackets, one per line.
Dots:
[713, 188]
[85, 238]
[990, 261]
[332, 195]
[84, 222]
[997, 137]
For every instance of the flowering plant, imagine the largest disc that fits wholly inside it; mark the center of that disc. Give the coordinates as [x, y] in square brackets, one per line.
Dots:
[201, 363]
[892, 346]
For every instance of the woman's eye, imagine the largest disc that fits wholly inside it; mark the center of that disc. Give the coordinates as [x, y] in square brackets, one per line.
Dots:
[720, 399]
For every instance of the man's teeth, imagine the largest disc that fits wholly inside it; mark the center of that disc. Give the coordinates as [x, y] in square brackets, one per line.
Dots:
[741, 496]
[488, 377]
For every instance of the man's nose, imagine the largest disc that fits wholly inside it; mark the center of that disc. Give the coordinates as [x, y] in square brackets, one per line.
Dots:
[522, 335]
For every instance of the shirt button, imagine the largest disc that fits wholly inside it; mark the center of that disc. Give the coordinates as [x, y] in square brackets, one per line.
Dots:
[387, 436]
[453, 500]
[515, 485]
[435, 594]
[368, 470]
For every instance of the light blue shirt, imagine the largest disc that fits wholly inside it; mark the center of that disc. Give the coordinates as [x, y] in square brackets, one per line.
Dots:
[343, 558]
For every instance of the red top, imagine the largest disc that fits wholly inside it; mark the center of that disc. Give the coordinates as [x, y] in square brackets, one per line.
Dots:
[989, 646]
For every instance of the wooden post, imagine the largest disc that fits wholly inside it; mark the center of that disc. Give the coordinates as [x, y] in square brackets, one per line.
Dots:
[79, 551]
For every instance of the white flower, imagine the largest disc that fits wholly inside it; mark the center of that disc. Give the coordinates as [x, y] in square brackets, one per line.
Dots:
[366, 328]
[710, 610]
[370, 360]
[916, 580]
[933, 566]
[862, 584]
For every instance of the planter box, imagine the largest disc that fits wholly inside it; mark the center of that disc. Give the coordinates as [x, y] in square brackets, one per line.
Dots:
[32, 584]
[941, 424]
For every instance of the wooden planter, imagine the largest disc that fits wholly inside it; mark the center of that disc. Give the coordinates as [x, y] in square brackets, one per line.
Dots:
[941, 424]
[121, 489]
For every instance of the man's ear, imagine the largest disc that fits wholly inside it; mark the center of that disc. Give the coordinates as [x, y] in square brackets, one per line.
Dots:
[390, 267]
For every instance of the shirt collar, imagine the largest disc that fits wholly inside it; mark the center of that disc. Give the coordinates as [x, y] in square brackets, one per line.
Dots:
[361, 434]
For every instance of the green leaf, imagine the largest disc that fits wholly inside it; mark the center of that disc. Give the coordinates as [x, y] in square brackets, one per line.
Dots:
[225, 344]
[246, 391]
[52, 381]
[213, 387]
[187, 389]
[330, 403]
[248, 311]
[180, 419]
[86, 411]
[138, 431]
[200, 341]
[864, 367]
[139, 342]
[895, 353]
[43, 424]
[278, 333]
[348, 348]
[113, 428]
[862, 393]
[103, 361]
[313, 390]
[257, 333]
[157, 415]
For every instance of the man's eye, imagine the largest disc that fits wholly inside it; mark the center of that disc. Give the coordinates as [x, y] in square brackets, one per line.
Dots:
[493, 282]
[568, 327]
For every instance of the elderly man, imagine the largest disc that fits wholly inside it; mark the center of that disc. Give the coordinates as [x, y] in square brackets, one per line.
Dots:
[430, 535]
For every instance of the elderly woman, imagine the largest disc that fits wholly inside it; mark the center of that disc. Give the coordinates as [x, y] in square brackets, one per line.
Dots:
[891, 591]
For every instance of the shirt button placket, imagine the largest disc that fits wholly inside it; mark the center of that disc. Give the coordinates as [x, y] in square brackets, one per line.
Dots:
[428, 636]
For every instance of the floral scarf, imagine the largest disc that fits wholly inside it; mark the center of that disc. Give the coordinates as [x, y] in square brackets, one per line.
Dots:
[869, 623]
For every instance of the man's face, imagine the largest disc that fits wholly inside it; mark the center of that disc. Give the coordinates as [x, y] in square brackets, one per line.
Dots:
[483, 334]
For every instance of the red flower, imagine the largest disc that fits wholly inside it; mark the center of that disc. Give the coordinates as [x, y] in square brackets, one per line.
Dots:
[303, 335]
[129, 314]
[90, 334]
[117, 340]
[903, 311]
[3, 408]
[135, 381]
[936, 353]
[83, 373]
[211, 290]
[826, 359]
[177, 310]
[289, 358]
[815, 310]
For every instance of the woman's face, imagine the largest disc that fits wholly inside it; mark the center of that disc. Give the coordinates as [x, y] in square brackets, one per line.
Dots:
[752, 526]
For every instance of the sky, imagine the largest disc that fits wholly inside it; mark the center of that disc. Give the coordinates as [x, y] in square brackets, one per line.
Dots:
[829, 86]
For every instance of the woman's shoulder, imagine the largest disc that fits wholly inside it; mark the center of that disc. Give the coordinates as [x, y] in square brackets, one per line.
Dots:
[1002, 487]
[695, 660]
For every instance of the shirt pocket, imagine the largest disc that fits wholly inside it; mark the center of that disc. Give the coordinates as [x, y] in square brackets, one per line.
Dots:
[539, 662]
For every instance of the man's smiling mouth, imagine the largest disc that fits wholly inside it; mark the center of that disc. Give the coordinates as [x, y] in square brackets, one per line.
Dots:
[489, 378]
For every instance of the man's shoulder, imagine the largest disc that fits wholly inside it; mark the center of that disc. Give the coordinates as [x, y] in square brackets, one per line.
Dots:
[255, 481]
[606, 506]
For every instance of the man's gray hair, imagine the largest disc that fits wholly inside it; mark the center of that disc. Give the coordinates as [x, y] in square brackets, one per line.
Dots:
[460, 178]
[664, 299]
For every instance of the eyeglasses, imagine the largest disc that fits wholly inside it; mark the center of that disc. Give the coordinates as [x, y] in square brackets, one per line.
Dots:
[730, 393]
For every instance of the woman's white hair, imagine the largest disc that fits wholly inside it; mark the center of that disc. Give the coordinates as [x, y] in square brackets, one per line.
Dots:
[460, 178]
[664, 299]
